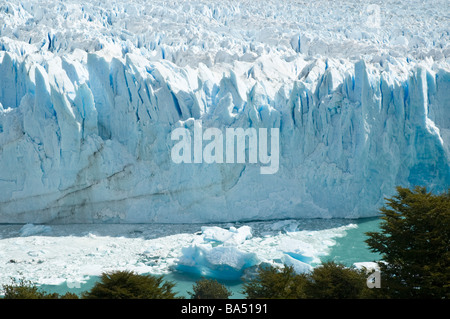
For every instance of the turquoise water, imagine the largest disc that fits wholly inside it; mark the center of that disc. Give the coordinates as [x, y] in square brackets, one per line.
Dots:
[352, 248]
[347, 250]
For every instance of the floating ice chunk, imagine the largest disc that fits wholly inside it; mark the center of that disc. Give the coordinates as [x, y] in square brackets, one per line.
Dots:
[233, 236]
[368, 265]
[222, 262]
[298, 265]
[31, 230]
[300, 257]
[215, 233]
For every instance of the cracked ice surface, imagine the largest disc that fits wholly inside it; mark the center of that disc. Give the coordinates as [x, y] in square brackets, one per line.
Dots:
[90, 91]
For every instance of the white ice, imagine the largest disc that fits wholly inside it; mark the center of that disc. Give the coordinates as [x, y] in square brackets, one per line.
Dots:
[91, 90]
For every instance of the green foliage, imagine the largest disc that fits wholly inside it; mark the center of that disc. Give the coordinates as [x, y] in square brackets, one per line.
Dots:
[414, 244]
[113, 285]
[335, 281]
[24, 289]
[209, 289]
[21, 289]
[274, 283]
[328, 281]
[69, 295]
[128, 285]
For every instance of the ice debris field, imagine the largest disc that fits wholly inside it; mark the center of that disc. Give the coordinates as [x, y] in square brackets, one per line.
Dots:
[91, 90]
[71, 254]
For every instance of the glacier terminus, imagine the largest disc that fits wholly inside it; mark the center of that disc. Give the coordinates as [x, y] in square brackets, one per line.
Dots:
[91, 91]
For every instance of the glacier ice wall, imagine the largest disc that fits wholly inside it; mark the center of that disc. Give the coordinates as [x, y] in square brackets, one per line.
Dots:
[85, 123]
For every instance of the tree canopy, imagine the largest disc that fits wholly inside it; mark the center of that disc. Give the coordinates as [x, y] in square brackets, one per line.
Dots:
[414, 242]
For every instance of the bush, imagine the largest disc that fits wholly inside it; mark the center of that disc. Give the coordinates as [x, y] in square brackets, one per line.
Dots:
[414, 244]
[209, 289]
[128, 285]
[69, 295]
[335, 281]
[328, 281]
[274, 283]
[24, 289]
[21, 289]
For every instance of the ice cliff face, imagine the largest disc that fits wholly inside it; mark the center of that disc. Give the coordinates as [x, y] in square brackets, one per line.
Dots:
[89, 95]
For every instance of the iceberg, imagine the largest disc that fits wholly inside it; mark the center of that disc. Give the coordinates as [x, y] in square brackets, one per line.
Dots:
[221, 262]
[297, 265]
[232, 236]
[90, 93]
[218, 253]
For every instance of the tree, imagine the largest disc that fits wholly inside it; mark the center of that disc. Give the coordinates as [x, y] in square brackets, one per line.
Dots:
[128, 285]
[274, 283]
[209, 289]
[414, 242]
[24, 289]
[328, 281]
[21, 289]
[335, 281]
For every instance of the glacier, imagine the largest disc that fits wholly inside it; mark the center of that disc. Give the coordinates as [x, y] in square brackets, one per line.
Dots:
[90, 93]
